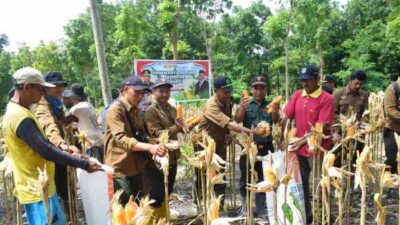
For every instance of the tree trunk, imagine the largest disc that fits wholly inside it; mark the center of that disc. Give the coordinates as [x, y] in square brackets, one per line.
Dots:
[100, 52]
[287, 81]
[175, 34]
[321, 61]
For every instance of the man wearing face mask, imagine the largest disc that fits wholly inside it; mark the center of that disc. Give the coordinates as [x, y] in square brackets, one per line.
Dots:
[251, 112]
[50, 114]
[307, 107]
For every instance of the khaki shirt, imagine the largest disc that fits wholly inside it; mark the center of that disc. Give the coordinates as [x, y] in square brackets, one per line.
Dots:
[158, 119]
[215, 121]
[347, 101]
[119, 140]
[52, 127]
[392, 110]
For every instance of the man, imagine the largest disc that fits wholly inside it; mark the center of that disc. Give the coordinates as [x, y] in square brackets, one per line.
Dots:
[125, 141]
[351, 99]
[201, 88]
[161, 116]
[30, 150]
[392, 125]
[87, 121]
[216, 121]
[67, 99]
[50, 114]
[251, 113]
[329, 84]
[147, 98]
[310, 105]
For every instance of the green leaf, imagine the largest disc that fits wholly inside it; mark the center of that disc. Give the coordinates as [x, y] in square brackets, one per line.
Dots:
[287, 212]
[296, 202]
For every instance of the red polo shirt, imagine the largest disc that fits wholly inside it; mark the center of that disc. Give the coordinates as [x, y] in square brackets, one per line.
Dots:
[309, 109]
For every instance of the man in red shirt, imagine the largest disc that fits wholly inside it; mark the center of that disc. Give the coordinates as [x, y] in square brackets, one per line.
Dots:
[310, 105]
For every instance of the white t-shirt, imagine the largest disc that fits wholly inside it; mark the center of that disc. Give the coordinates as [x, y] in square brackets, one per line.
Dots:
[87, 116]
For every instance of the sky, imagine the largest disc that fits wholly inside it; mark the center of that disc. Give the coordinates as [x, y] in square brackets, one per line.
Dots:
[30, 21]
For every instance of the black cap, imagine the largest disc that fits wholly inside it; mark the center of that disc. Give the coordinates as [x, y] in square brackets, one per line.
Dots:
[223, 82]
[135, 82]
[258, 80]
[308, 72]
[78, 91]
[161, 82]
[54, 77]
[329, 78]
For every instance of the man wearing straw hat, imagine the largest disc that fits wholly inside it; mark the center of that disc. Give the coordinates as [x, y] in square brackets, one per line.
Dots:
[30, 150]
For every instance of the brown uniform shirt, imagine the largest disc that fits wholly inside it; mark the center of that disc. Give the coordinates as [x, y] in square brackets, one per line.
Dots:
[119, 140]
[52, 127]
[392, 109]
[215, 121]
[347, 101]
[158, 119]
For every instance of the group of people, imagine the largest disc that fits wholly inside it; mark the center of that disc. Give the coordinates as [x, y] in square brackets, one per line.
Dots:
[40, 127]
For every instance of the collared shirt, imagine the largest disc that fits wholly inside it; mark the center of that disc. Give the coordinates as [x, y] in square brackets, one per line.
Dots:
[159, 118]
[392, 108]
[51, 126]
[347, 101]
[310, 109]
[255, 113]
[119, 139]
[215, 121]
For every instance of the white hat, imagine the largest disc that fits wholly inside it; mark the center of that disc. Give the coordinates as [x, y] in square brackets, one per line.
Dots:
[29, 75]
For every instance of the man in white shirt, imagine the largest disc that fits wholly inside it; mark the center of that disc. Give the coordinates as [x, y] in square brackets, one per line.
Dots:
[87, 124]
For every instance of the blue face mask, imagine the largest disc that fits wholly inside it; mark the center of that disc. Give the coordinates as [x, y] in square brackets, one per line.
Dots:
[56, 105]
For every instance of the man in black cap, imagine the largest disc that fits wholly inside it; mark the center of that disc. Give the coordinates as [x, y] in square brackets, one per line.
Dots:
[87, 121]
[216, 121]
[125, 141]
[306, 108]
[328, 84]
[66, 97]
[50, 114]
[160, 116]
[251, 112]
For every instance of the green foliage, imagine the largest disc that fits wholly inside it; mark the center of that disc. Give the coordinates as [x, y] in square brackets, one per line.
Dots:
[243, 43]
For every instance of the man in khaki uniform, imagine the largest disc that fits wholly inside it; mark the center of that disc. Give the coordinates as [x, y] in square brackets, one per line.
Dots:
[351, 98]
[392, 125]
[49, 112]
[161, 116]
[216, 120]
[125, 140]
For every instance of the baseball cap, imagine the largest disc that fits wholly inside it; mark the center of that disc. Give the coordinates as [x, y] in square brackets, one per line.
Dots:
[54, 77]
[161, 82]
[134, 81]
[67, 94]
[308, 72]
[258, 80]
[29, 75]
[223, 83]
[329, 78]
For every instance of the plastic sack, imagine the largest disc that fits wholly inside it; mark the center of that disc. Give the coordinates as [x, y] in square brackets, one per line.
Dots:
[96, 192]
[293, 209]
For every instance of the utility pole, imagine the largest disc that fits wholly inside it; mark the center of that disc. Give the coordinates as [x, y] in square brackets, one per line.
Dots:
[100, 52]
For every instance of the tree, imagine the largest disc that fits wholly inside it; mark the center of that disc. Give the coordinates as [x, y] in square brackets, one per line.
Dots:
[98, 39]
[3, 42]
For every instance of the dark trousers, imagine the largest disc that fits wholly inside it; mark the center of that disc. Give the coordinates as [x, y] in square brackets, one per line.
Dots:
[131, 186]
[245, 174]
[390, 149]
[305, 171]
[61, 181]
[153, 183]
[96, 152]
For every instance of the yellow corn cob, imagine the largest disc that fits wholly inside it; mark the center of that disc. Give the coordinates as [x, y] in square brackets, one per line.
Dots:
[179, 111]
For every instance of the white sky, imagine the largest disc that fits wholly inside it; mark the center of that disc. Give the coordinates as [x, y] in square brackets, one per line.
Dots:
[30, 21]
